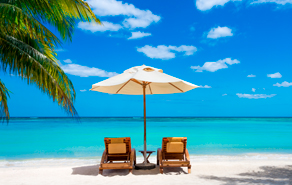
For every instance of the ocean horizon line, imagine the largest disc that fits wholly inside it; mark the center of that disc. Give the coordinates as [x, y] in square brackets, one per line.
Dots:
[35, 117]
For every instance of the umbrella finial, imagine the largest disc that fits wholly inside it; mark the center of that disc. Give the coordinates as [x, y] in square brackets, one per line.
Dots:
[148, 69]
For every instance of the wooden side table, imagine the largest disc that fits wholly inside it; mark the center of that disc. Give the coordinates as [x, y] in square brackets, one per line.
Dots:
[148, 152]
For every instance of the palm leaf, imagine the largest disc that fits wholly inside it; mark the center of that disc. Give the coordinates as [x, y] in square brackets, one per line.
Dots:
[27, 47]
[61, 14]
[4, 93]
[14, 21]
[29, 63]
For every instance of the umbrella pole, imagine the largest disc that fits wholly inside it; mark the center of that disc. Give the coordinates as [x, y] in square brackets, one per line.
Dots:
[144, 96]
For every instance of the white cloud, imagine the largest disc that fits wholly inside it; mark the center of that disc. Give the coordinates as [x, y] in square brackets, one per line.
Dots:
[141, 22]
[134, 17]
[205, 86]
[218, 32]
[224, 94]
[283, 84]
[255, 96]
[60, 50]
[253, 89]
[280, 2]
[251, 76]
[68, 61]
[93, 27]
[214, 66]
[204, 5]
[166, 52]
[138, 34]
[84, 71]
[275, 75]
[83, 90]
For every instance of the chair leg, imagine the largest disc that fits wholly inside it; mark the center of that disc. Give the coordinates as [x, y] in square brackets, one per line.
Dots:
[130, 171]
[161, 170]
[100, 171]
[189, 169]
[157, 159]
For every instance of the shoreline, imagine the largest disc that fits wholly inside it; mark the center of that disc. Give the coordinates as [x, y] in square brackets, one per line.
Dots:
[244, 169]
[194, 158]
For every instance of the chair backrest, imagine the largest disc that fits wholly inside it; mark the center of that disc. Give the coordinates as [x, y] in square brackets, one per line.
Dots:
[117, 146]
[174, 145]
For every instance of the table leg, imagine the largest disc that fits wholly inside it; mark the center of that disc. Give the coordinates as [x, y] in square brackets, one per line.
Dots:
[147, 161]
[148, 157]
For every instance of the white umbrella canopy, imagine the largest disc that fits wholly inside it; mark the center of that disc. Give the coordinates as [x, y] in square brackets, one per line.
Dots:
[143, 80]
[130, 81]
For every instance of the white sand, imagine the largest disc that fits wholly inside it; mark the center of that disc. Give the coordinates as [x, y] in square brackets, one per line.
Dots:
[228, 170]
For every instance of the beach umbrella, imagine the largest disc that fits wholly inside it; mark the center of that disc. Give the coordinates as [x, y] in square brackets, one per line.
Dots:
[142, 80]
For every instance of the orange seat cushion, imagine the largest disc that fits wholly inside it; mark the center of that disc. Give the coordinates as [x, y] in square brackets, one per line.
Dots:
[175, 147]
[117, 148]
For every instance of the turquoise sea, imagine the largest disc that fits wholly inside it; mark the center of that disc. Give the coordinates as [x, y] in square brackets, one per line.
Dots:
[30, 138]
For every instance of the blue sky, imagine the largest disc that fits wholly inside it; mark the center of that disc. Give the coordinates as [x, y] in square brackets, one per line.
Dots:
[239, 52]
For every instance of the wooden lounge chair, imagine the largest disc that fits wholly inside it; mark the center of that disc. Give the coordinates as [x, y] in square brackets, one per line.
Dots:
[173, 153]
[118, 154]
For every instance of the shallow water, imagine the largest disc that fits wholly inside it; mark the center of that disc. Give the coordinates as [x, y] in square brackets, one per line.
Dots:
[28, 138]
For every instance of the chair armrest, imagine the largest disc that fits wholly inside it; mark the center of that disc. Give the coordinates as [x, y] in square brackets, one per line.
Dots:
[187, 155]
[103, 157]
[133, 156]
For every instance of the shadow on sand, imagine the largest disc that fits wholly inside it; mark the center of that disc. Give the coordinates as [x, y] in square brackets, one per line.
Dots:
[268, 175]
[86, 170]
[94, 169]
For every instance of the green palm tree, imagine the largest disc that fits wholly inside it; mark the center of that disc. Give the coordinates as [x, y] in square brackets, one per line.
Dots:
[27, 47]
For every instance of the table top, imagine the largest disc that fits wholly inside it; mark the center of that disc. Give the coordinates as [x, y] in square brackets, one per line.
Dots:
[148, 151]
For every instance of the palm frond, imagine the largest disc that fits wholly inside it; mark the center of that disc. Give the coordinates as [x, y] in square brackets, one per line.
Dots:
[27, 47]
[61, 14]
[28, 62]
[4, 94]
[14, 21]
